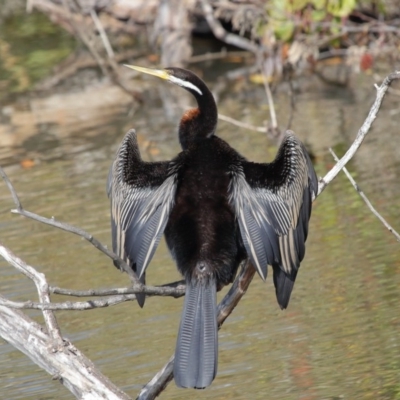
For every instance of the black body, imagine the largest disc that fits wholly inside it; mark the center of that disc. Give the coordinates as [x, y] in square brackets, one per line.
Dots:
[216, 210]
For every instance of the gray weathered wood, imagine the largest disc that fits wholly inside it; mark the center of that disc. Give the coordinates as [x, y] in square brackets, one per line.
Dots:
[68, 365]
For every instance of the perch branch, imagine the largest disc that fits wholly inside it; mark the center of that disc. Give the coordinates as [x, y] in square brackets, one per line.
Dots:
[68, 305]
[225, 308]
[112, 300]
[179, 287]
[91, 304]
[365, 198]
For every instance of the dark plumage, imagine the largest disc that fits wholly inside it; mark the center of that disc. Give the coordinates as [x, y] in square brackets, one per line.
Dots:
[216, 209]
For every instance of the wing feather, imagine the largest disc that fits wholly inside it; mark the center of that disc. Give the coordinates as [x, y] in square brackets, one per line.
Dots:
[272, 203]
[142, 195]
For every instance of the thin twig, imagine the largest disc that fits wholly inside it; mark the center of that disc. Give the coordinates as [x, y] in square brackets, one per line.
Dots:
[242, 124]
[103, 35]
[271, 105]
[76, 62]
[112, 300]
[174, 289]
[363, 131]
[69, 228]
[115, 73]
[83, 34]
[224, 53]
[364, 197]
[69, 305]
[292, 104]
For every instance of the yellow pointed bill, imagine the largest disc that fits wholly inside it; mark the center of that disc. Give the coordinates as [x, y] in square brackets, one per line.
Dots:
[161, 73]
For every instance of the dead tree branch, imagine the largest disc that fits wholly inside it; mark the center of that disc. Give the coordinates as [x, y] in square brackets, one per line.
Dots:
[365, 198]
[120, 264]
[221, 34]
[363, 131]
[76, 372]
[166, 290]
[242, 124]
[43, 292]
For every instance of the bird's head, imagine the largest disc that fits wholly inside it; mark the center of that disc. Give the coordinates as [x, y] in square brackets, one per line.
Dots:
[197, 123]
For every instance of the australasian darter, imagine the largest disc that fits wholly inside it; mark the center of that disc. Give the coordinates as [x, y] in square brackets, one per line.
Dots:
[216, 209]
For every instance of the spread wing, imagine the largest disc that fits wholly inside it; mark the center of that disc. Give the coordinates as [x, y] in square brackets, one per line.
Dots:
[272, 203]
[142, 195]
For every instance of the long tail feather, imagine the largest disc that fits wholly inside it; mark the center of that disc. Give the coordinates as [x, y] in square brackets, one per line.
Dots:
[196, 354]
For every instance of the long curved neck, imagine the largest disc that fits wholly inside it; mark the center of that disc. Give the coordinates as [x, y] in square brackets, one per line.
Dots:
[199, 123]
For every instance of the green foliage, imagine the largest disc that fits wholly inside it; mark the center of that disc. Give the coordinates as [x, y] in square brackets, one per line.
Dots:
[30, 46]
[284, 15]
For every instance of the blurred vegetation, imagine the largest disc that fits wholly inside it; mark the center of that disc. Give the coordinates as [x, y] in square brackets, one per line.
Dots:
[30, 46]
[284, 17]
[288, 17]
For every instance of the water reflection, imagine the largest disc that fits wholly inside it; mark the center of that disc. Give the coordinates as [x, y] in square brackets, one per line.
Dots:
[340, 336]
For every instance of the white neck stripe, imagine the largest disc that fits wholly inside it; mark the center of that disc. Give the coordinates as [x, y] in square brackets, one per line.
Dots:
[184, 84]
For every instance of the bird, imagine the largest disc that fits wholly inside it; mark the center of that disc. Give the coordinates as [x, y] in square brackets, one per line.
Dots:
[216, 210]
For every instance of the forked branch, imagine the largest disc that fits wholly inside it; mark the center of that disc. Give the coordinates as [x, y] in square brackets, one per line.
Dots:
[365, 198]
[362, 133]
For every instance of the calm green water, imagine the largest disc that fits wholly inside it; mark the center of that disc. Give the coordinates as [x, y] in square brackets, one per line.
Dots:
[339, 339]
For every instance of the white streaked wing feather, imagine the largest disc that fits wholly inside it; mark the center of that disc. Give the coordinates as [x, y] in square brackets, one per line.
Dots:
[276, 212]
[139, 215]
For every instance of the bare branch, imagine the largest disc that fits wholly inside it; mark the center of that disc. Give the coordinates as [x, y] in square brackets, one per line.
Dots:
[271, 105]
[69, 305]
[364, 197]
[70, 366]
[102, 32]
[84, 35]
[221, 34]
[69, 228]
[292, 104]
[242, 124]
[381, 91]
[112, 300]
[224, 53]
[175, 289]
[14, 195]
[159, 382]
